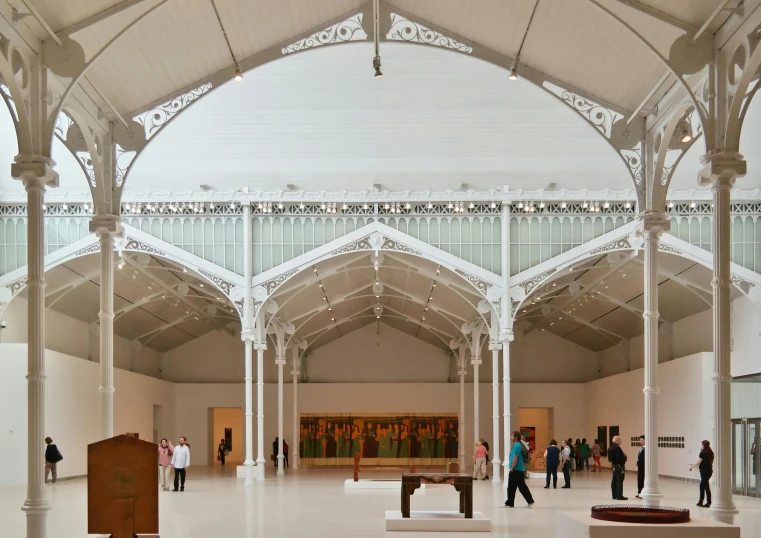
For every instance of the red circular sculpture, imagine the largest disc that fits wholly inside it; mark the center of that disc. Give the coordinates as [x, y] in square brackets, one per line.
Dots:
[634, 513]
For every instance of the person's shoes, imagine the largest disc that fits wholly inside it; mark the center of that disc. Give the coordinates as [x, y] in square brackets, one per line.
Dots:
[547, 487]
[507, 505]
[486, 478]
[175, 489]
[700, 503]
[637, 496]
[623, 499]
[566, 487]
[182, 488]
[555, 486]
[707, 505]
[529, 505]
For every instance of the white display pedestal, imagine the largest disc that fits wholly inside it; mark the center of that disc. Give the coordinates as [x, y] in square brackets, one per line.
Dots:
[581, 525]
[436, 522]
[375, 484]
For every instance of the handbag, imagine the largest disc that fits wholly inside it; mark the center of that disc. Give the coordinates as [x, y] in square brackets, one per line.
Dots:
[218, 458]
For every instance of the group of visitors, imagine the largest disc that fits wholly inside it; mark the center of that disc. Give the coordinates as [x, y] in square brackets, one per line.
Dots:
[276, 452]
[481, 459]
[177, 457]
[569, 457]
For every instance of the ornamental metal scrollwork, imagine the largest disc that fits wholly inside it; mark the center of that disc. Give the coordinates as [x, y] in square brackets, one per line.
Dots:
[403, 29]
[480, 285]
[633, 160]
[618, 244]
[139, 246]
[223, 285]
[95, 247]
[360, 244]
[274, 283]
[342, 32]
[85, 161]
[663, 247]
[239, 307]
[155, 119]
[257, 306]
[533, 283]
[390, 244]
[18, 285]
[123, 161]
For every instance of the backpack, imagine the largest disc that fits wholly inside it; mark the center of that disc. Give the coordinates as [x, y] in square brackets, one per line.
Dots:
[526, 453]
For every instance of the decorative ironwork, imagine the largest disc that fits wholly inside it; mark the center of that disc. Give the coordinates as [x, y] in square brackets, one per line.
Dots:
[153, 120]
[62, 123]
[239, 307]
[637, 513]
[618, 244]
[342, 32]
[90, 249]
[598, 116]
[222, 284]
[85, 161]
[663, 247]
[139, 246]
[123, 161]
[533, 283]
[169, 209]
[360, 244]
[6, 93]
[18, 285]
[633, 159]
[390, 244]
[403, 29]
[480, 285]
[274, 283]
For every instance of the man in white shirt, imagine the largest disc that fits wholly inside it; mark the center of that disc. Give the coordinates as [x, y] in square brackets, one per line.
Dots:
[180, 462]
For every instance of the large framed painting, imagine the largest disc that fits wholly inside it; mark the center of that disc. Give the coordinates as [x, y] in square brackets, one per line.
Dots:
[530, 433]
[396, 439]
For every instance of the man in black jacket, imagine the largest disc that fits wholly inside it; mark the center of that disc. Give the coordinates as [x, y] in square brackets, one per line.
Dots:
[641, 466]
[617, 459]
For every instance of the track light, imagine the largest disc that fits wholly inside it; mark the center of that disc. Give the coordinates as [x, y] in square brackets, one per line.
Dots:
[686, 134]
[513, 73]
[377, 67]
[238, 74]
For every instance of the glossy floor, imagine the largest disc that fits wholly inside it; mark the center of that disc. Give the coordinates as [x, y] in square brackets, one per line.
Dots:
[314, 504]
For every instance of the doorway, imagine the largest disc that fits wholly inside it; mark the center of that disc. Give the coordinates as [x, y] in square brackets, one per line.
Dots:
[746, 456]
[537, 424]
[226, 423]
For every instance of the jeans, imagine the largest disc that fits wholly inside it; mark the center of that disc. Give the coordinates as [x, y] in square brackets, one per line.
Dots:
[705, 486]
[164, 476]
[179, 478]
[51, 468]
[617, 483]
[567, 474]
[552, 470]
[584, 462]
[640, 479]
[517, 480]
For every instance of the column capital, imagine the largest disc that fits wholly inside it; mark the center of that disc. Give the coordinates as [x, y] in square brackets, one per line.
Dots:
[476, 361]
[653, 224]
[103, 224]
[260, 346]
[247, 335]
[280, 361]
[296, 372]
[506, 336]
[31, 169]
[721, 169]
[495, 346]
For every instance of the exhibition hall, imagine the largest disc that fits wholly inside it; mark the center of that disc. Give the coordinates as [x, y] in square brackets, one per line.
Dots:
[380, 266]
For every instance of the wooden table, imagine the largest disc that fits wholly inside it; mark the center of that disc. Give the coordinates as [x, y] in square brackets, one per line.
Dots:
[463, 483]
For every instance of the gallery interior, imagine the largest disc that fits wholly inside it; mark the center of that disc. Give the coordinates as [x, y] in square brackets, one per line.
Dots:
[320, 239]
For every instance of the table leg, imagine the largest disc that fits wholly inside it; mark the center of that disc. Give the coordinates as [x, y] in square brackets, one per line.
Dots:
[468, 494]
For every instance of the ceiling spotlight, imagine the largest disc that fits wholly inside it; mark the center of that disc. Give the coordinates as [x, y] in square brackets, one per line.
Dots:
[671, 204]
[513, 73]
[606, 205]
[692, 205]
[493, 205]
[184, 269]
[238, 74]
[520, 205]
[202, 284]
[430, 205]
[585, 205]
[364, 206]
[301, 206]
[686, 133]
[628, 205]
[377, 67]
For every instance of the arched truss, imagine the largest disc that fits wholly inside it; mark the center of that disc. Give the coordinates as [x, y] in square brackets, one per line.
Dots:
[377, 237]
[134, 240]
[16, 78]
[609, 120]
[524, 284]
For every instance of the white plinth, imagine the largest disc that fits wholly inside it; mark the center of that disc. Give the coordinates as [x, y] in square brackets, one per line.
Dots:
[537, 475]
[240, 471]
[375, 484]
[437, 522]
[581, 524]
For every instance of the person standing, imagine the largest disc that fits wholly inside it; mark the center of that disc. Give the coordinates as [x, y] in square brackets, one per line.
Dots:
[552, 458]
[285, 453]
[705, 465]
[577, 455]
[596, 456]
[584, 449]
[640, 467]
[516, 479]
[181, 463]
[486, 444]
[274, 450]
[52, 457]
[165, 463]
[566, 459]
[479, 461]
[221, 451]
[617, 458]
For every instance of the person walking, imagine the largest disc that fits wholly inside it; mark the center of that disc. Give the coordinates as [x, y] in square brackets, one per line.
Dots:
[584, 449]
[221, 451]
[577, 454]
[479, 461]
[181, 463]
[566, 458]
[640, 467]
[617, 458]
[705, 465]
[596, 456]
[486, 444]
[552, 458]
[52, 457]
[275, 451]
[165, 463]
[285, 453]
[516, 479]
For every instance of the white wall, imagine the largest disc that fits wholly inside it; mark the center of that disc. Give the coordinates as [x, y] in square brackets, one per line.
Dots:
[746, 338]
[618, 401]
[71, 336]
[72, 409]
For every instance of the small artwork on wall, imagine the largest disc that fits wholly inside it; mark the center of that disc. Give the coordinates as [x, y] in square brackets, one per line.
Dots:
[530, 433]
[228, 439]
[602, 436]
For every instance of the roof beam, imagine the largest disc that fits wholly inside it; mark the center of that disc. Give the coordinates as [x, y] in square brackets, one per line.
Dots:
[71, 286]
[155, 332]
[661, 16]
[590, 324]
[98, 17]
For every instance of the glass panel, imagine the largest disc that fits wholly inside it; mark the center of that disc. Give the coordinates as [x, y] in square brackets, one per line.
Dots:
[754, 459]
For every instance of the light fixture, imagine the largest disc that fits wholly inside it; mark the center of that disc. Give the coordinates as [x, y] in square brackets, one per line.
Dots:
[184, 269]
[686, 134]
[430, 205]
[238, 74]
[301, 205]
[671, 204]
[563, 205]
[513, 73]
[377, 67]
[520, 205]
[628, 205]
[364, 206]
[202, 284]
[585, 205]
[692, 205]
[606, 205]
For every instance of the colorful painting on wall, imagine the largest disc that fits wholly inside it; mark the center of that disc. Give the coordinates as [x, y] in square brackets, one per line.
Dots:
[386, 439]
[530, 433]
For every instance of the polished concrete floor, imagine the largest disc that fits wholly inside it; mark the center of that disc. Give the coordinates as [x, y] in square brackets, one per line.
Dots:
[314, 504]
